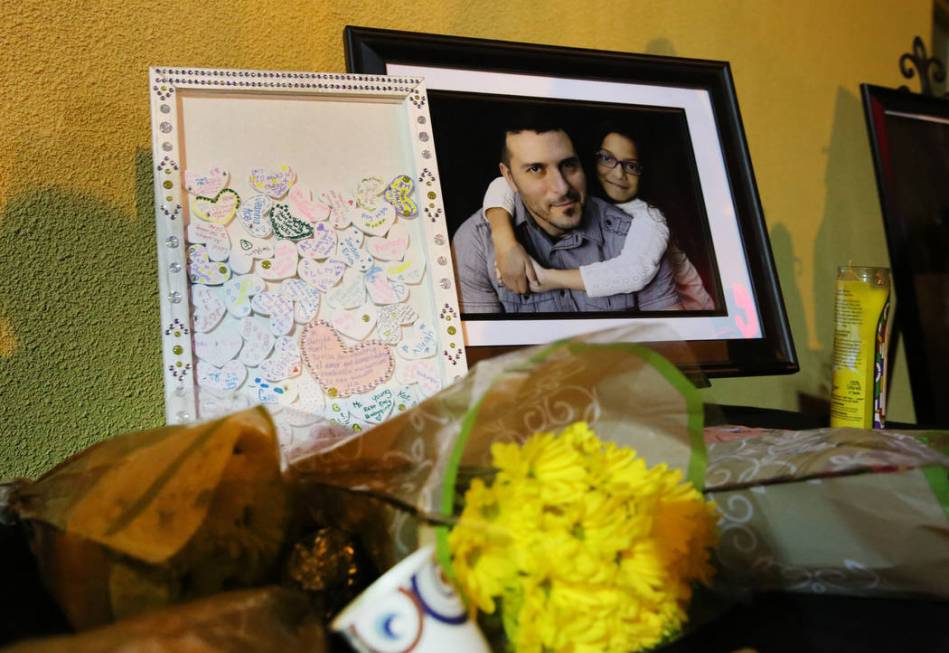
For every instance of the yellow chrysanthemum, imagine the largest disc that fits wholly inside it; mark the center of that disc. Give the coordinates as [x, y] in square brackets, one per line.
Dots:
[587, 549]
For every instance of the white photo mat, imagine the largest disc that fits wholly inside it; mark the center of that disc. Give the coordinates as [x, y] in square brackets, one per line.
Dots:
[742, 320]
[303, 257]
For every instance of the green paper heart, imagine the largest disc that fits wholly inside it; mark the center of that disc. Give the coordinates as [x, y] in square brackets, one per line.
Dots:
[286, 226]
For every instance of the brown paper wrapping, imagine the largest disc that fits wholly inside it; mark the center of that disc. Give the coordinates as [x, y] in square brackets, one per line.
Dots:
[146, 519]
[265, 620]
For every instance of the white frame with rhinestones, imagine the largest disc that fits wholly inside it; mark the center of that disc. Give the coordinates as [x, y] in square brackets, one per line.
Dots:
[171, 203]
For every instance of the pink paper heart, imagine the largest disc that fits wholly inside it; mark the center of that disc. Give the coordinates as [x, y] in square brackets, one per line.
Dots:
[357, 323]
[206, 184]
[343, 371]
[219, 209]
[304, 207]
[273, 182]
[320, 245]
[392, 247]
[283, 264]
[321, 276]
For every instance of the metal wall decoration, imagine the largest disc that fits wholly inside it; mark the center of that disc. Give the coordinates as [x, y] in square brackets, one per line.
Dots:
[919, 63]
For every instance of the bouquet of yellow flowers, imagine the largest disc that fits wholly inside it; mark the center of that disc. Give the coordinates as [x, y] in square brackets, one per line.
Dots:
[581, 545]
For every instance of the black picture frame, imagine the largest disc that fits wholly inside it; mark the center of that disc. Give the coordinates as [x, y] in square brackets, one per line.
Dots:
[909, 139]
[771, 349]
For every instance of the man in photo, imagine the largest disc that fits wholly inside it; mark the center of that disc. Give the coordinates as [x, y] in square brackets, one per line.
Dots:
[558, 225]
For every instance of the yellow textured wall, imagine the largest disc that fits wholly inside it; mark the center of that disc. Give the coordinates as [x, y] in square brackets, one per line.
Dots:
[79, 329]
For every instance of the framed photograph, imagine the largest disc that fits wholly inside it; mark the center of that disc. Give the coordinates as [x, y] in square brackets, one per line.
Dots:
[909, 137]
[304, 260]
[627, 140]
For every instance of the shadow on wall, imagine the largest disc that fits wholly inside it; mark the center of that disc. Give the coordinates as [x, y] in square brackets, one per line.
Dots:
[851, 229]
[78, 290]
[788, 265]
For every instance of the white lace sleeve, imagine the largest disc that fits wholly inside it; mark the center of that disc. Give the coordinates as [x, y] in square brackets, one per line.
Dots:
[637, 264]
[499, 196]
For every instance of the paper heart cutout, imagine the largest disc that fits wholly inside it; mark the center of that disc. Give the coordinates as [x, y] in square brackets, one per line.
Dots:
[246, 250]
[423, 372]
[279, 310]
[410, 271]
[305, 299]
[342, 370]
[342, 215]
[273, 182]
[391, 320]
[285, 361]
[220, 345]
[369, 192]
[258, 341]
[337, 411]
[392, 247]
[306, 208]
[383, 290]
[283, 264]
[320, 245]
[372, 407]
[254, 215]
[227, 378]
[356, 323]
[201, 269]
[207, 308]
[213, 237]
[219, 209]
[375, 222]
[206, 184]
[238, 292]
[311, 398]
[217, 403]
[407, 397]
[419, 342]
[351, 291]
[321, 276]
[287, 226]
[272, 394]
[349, 248]
[399, 195]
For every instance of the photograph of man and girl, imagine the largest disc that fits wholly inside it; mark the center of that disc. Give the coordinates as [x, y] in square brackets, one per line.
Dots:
[559, 208]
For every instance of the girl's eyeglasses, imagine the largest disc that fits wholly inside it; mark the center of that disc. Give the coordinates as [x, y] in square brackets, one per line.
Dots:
[607, 160]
